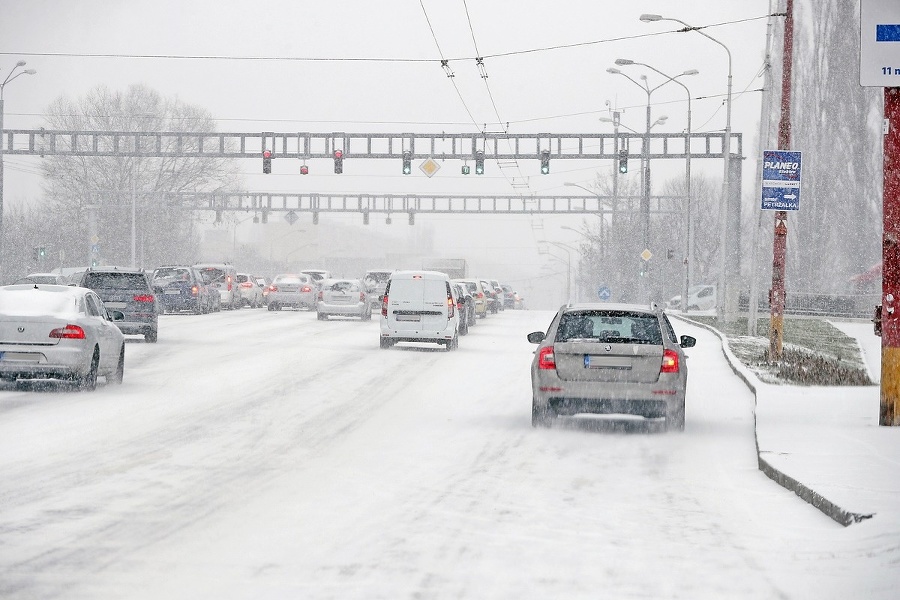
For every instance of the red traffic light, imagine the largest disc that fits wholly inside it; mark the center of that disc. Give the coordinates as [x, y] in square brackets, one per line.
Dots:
[267, 154]
[304, 170]
[338, 153]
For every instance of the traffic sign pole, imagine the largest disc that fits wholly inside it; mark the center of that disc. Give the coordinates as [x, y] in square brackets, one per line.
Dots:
[890, 278]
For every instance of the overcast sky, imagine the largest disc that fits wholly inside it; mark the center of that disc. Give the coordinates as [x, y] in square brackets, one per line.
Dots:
[546, 64]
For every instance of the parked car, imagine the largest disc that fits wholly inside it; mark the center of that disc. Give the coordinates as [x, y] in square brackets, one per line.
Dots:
[465, 303]
[498, 294]
[343, 297]
[418, 306]
[222, 277]
[292, 290]
[700, 297]
[249, 292]
[491, 295]
[509, 296]
[376, 281]
[181, 288]
[51, 278]
[480, 296]
[129, 291]
[609, 359]
[50, 331]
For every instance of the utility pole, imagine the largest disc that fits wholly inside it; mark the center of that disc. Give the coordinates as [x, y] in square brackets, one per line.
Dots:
[890, 276]
[776, 293]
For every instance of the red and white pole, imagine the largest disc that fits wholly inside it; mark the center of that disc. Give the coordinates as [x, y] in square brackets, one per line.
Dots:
[890, 282]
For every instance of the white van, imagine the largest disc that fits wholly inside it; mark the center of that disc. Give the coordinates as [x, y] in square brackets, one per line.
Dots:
[418, 306]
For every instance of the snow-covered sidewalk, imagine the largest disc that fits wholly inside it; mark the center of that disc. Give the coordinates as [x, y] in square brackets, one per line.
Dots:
[825, 443]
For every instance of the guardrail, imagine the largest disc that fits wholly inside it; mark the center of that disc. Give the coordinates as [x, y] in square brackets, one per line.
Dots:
[854, 306]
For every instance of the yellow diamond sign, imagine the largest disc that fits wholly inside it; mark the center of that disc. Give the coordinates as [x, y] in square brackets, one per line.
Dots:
[646, 254]
[429, 166]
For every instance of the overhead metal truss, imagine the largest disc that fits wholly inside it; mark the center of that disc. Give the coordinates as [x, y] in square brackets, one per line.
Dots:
[307, 145]
[399, 204]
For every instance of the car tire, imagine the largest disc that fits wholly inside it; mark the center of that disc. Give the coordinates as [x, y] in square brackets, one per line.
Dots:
[541, 417]
[386, 343]
[463, 329]
[321, 316]
[118, 375]
[675, 421]
[88, 381]
[151, 336]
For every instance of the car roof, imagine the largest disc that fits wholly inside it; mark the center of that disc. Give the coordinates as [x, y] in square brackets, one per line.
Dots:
[647, 308]
[130, 270]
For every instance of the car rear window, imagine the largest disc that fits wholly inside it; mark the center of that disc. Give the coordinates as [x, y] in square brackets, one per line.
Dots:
[290, 279]
[115, 281]
[624, 327]
[37, 302]
[172, 273]
[344, 286]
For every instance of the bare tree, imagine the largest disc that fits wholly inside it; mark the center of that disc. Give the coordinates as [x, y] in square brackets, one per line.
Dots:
[122, 186]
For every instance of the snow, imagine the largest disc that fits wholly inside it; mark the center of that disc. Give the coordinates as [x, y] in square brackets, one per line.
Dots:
[266, 454]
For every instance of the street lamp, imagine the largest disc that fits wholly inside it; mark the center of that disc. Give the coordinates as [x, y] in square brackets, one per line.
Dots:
[645, 172]
[12, 75]
[565, 247]
[689, 243]
[721, 305]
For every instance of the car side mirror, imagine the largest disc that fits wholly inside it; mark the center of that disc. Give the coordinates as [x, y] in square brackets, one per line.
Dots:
[688, 341]
[536, 337]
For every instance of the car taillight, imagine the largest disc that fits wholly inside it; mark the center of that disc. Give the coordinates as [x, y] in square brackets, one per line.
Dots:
[69, 332]
[273, 288]
[195, 290]
[306, 289]
[546, 358]
[246, 284]
[479, 295]
[362, 296]
[450, 306]
[669, 362]
[144, 298]
[460, 304]
[321, 296]
[384, 305]
[228, 279]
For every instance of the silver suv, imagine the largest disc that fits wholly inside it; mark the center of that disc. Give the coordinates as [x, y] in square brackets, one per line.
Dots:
[609, 359]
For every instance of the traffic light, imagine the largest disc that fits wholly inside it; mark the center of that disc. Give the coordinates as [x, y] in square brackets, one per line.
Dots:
[407, 162]
[623, 161]
[465, 169]
[479, 162]
[338, 161]
[267, 161]
[545, 162]
[304, 170]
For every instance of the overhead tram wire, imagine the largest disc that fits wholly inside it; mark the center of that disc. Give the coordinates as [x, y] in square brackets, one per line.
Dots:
[366, 59]
[479, 61]
[445, 66]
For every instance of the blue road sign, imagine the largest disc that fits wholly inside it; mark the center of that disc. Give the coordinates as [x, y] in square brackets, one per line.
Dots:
[603, 293]
[781, 180]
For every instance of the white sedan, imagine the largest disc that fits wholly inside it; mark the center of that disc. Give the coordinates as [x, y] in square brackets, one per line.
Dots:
[59, 332]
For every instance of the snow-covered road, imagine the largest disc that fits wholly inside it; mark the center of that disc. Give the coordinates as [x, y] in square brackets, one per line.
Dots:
[261, 454]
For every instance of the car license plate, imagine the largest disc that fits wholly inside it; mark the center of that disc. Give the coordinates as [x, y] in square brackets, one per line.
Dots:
[115, 304]
[172, 292]
[409, 317]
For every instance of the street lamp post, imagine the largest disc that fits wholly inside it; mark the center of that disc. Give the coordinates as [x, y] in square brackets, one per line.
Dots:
[722, 309]
[568, 267]
[689, 242]
[645, 176]
[12, 75]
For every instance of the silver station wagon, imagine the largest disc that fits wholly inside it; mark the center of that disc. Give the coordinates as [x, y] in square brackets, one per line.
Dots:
[609, 359]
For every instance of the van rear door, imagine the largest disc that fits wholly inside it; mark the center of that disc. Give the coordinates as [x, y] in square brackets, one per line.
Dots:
[418, 304]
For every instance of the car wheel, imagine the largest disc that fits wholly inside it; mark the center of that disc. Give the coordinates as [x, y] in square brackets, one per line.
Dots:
[118, 375]
[150, 336]
[541, 417]
[385, 343]
[675, 421]
[321, 316]
[463, 328]
[88, 381]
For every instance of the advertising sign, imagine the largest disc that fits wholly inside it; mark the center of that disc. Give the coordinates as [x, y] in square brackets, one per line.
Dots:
[781, 180]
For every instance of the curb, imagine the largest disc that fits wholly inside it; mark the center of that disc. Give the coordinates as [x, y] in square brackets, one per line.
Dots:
[833, 511]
